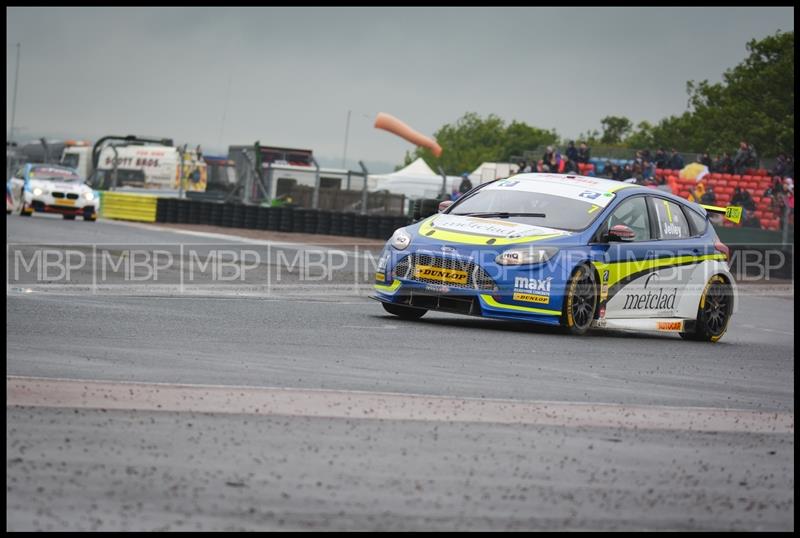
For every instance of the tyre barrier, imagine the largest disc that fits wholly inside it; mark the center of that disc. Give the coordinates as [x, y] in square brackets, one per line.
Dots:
[194, 213]
[238, 216]
[348, 220]
[323, 219]
[161, 209]
[250, 216]
[373, 227]
[312, 219]
[263, 218]
[287, 220]
[284, 219]
[385, 228]
[360, 225]
[181, 210]
[335, 224]
[215, 214]
[164, 211]
[298, 220]
[274, 219]
[227, 215]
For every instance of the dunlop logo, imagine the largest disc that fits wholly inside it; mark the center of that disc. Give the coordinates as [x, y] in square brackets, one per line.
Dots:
[444, 275]
[531, 298]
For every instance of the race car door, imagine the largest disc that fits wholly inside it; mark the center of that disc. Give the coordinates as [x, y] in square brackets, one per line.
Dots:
[637, 277]
[679, 250]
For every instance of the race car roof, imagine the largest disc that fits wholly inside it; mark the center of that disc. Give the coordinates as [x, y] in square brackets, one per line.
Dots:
[576, 180]
[599, 184]
[591, 190]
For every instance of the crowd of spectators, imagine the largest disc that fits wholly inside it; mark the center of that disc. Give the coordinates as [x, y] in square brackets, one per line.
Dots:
[642, 170]
[554, 161]
[644, 164]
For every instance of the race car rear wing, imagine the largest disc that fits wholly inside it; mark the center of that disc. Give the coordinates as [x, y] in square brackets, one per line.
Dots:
[732, 213]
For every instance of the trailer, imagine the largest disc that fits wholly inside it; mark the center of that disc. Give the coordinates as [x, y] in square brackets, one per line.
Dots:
[137, 163]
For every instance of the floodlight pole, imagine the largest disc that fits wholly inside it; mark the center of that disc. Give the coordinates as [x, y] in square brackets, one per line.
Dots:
[346, 133]
[14, 102]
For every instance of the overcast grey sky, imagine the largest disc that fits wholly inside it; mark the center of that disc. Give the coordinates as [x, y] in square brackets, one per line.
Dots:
[294, 72]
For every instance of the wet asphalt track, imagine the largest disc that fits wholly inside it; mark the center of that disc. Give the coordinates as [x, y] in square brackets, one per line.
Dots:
[89, 468]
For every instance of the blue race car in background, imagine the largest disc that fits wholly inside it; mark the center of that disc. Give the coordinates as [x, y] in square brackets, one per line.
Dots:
[564, 250]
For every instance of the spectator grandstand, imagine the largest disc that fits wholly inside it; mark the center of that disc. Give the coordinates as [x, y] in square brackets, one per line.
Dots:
[756, 182]
[772, 204]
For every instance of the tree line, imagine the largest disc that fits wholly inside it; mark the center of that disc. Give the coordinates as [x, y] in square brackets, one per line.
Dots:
[753, 102]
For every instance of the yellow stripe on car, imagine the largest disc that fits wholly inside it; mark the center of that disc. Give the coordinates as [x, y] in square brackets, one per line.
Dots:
[427, 230]
[490, 301]
[391, 288]
[615, 188]
[620, 270]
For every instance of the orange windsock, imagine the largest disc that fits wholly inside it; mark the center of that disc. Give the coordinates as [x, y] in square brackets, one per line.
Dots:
[387, 122]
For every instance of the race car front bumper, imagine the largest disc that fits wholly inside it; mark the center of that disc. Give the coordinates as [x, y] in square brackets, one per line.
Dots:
[466, 302]
[42, 207]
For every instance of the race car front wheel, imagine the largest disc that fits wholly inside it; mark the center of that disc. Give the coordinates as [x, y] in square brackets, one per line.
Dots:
[25, 211]
[580, 302]
[714, 311]
[404, 312]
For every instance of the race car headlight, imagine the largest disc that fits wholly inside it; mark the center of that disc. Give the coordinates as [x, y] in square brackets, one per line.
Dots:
[38, 191]
[88, 195]
[400, 239]
[524, 256]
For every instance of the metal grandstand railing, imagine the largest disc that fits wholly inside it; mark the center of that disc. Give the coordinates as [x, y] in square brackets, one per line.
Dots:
[603, 152]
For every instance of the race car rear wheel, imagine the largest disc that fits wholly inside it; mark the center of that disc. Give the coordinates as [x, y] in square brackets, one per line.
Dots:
[714, 311]
[580, 302]
[404, 312]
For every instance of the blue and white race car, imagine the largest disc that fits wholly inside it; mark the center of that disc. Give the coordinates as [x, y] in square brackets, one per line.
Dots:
[565, 250]
[51, 188]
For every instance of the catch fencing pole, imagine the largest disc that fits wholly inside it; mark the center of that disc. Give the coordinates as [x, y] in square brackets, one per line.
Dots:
[315, 198]
[364, 189]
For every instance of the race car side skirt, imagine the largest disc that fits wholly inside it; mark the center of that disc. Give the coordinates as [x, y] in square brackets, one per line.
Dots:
[674, 325]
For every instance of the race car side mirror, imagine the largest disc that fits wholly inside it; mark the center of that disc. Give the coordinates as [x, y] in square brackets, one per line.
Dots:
[443, 205]
[620, 232]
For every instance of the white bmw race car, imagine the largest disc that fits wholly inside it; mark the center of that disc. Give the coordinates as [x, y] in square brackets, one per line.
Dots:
[49, 188]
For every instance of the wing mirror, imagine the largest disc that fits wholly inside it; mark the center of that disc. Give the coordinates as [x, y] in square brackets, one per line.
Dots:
[620, 232]
[443, 205]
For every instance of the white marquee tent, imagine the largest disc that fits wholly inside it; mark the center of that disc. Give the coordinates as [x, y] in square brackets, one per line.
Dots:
[416, 180]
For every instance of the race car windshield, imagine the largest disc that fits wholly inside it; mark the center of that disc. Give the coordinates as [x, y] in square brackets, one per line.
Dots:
[54, 174]
[529, 208]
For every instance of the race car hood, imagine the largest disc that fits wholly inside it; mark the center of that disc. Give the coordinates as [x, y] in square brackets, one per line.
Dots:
[59, 186]
[484, 231]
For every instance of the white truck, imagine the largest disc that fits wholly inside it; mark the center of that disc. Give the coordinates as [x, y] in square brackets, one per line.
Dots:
[135, 165]
[77, 154]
